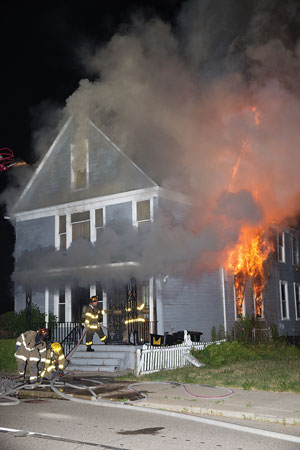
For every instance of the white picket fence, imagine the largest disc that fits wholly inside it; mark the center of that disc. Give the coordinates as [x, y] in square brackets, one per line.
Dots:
[152, 359]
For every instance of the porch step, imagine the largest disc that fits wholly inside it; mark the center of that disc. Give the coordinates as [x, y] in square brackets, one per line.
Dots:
[108, 358]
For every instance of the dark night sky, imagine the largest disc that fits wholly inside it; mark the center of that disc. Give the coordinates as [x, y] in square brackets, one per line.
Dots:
[40, 64]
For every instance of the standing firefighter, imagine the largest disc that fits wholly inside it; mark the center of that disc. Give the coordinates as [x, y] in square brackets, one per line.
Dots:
[30, 350]
[55, 360]
[92, 323]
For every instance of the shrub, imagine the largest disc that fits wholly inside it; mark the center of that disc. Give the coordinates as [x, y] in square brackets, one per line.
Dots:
[213, 334]
[16, 323]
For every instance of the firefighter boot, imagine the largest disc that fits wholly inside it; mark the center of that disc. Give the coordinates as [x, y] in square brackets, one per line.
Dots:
[89, 349]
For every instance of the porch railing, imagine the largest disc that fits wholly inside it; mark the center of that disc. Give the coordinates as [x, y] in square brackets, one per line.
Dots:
[152, 359]
[67, 334]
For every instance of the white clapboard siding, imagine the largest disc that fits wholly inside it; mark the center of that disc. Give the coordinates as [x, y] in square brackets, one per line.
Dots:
[152, 359]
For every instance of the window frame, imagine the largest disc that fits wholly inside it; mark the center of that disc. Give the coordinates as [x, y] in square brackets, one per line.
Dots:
[295, 251]
[262, 317]
[286, 300]
[87, 172]
[135, 221]
[281, 248]
[297, 289]
[235, 306]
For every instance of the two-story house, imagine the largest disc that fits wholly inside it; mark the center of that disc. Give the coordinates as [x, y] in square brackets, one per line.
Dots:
[80, 227]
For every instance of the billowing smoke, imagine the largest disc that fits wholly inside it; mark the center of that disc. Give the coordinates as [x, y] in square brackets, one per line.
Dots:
[209, 108]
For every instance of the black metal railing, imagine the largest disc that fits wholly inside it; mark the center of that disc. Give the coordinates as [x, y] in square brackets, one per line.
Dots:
[138, 333]
[67, 334]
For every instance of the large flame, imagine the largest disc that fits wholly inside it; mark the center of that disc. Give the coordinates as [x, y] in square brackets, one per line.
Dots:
[246, 260]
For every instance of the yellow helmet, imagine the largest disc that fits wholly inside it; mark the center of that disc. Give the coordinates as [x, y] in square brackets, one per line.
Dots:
[56, 347]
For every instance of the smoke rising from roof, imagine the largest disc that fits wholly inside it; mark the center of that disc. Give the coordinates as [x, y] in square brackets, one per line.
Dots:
[187, 103]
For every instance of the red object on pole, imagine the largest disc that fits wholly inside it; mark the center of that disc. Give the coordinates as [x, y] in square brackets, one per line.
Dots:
[7, 158]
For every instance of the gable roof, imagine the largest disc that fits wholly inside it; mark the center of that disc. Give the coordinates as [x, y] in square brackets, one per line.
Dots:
[110, 172]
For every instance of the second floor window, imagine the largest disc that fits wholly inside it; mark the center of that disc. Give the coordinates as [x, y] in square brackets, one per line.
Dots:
[80, 223]
[62, 231]
[143, 211]
[99, 222]
[295, 250]
[281, 246]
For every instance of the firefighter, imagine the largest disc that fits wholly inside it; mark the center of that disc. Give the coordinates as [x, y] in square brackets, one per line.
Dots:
[31, 349]
[55, 360]
[92, 323]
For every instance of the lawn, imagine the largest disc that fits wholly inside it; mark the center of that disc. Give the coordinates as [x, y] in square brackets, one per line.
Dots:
[261, 367]
[8, 363]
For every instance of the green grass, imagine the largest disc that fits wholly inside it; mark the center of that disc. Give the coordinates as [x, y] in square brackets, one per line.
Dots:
[7, 359]
[273, 367]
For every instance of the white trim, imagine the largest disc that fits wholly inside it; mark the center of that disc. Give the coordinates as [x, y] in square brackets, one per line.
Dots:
[93, 233]
[285, 283]
[159, 306]
[151, 305]
[223, 299]
[283, 260]
[68, 230]
[68, 304]
[46, 306]
[43, 162]
[92, 290]
[104, 296]
[136, 222]
[89, 203]
[55, 304]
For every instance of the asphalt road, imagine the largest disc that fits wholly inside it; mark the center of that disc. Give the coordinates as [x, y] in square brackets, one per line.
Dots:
[67, 425]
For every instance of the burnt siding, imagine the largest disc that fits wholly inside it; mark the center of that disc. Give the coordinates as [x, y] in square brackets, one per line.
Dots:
[34, 234]
[195, 306]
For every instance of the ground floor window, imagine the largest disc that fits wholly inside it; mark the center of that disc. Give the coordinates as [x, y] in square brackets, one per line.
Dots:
[284, 301]
[297, 299]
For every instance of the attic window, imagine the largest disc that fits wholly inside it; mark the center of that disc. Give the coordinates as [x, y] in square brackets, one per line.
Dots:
[79, 166]
[143, 211]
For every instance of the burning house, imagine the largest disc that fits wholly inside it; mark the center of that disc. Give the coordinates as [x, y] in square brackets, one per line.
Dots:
[90, 221]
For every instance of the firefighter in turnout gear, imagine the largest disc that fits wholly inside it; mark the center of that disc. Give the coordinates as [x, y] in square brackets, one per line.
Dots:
[31, 349]
[55, 360]
[92, 323]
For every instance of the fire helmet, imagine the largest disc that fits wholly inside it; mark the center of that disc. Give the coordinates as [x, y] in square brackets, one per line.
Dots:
[94, 298]
[43, 334]
[56, 348]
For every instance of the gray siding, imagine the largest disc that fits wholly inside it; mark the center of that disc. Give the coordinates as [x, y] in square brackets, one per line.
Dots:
[195, 306]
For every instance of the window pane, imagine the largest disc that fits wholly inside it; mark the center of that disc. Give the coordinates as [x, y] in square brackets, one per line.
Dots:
[283, 296]
[99, 217]
[143, 210]
[62, 224]
[99, 232]
[81, 230]
[61, 312]
[79, 217]
[62, 241]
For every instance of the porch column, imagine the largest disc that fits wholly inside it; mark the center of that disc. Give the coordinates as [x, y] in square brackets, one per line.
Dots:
[47, 306]
[68, 305]
[159, 307]
[104, 296]
[55, 306]
[151, 305]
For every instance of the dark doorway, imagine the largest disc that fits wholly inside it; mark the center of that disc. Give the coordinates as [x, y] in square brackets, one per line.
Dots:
[80, 297]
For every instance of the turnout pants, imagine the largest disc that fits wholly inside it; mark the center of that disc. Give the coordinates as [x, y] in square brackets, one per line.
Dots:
[90, 333]
[28, 360]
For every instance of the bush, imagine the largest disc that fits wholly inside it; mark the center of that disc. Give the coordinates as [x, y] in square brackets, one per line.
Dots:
[215, 355]
[7, 359]
[16, 323]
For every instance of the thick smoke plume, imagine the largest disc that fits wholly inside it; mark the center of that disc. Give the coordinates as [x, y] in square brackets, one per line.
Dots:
[209, 108]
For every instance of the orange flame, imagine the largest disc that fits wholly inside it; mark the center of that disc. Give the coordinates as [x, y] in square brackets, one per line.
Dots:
[256, 115]
[246, 260]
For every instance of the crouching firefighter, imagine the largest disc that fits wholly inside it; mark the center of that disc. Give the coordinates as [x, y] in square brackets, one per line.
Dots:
[31, 349]
[55, 361]
[92, 323]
